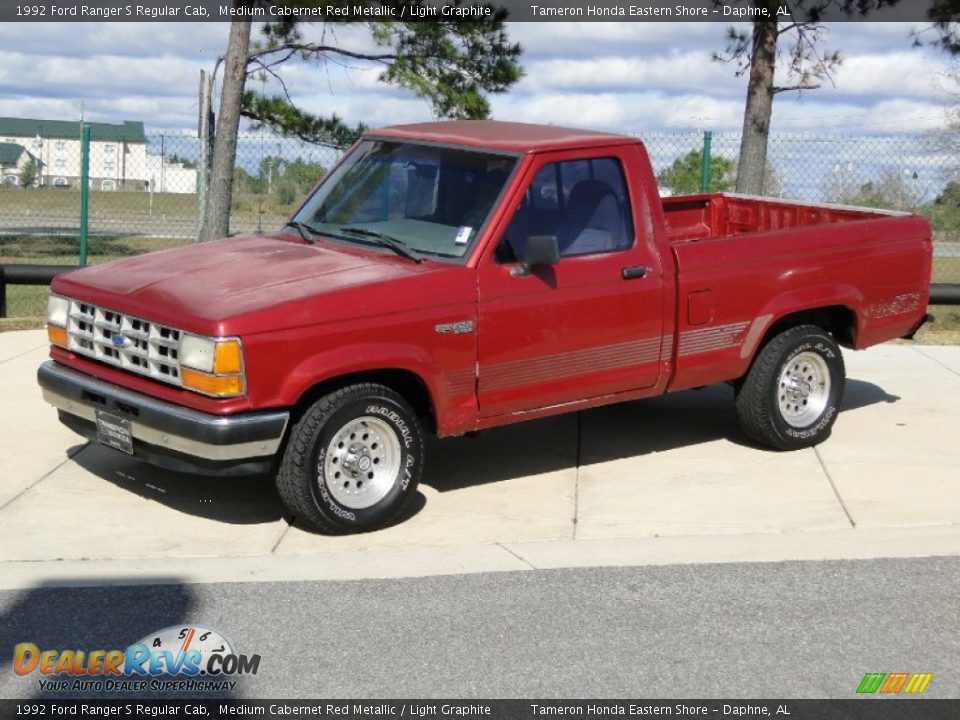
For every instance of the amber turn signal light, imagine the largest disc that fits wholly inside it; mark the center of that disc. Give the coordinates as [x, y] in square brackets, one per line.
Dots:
[57, 335]
[226, 357]
[219, 386]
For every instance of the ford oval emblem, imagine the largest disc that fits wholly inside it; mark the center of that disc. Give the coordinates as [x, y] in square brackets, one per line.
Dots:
[118, 340]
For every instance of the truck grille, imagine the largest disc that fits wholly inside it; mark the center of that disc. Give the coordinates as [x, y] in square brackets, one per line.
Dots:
[124, 341]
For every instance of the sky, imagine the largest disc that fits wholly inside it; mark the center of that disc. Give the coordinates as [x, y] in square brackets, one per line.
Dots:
[626, 77]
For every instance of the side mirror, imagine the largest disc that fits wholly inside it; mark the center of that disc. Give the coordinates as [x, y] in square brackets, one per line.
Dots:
[539, 250]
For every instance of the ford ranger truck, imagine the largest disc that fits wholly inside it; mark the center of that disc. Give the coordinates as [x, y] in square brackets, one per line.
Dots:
[449, 277]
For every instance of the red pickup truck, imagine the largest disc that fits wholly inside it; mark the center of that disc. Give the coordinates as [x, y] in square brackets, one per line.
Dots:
[450, 277]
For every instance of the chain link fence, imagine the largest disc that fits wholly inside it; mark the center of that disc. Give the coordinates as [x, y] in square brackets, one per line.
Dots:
[143, 191]
[915, 173]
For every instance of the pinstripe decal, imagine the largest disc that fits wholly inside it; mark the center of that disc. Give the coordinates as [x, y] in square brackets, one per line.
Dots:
[720, 337]
[667, 350]
[596, 359]
[461, 382]
[576, 362]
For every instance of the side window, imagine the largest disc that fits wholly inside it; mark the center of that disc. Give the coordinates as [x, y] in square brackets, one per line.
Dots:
[583, 202]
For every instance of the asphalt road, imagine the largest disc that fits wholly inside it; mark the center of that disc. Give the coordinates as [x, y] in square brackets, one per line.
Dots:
[796, 629]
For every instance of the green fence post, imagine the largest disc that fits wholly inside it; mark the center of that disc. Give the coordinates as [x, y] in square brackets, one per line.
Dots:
[705, 168]
[84, 189]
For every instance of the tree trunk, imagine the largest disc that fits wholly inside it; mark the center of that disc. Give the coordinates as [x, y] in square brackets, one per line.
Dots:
[220, 190]
[756, 115]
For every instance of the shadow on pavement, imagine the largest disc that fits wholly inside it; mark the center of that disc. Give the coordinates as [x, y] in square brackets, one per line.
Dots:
[660, 424]
[633, 429]
[111, 615]
[860, 393]
[248, 500]
[242, 501]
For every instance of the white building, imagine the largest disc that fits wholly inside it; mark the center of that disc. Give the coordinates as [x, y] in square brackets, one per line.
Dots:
[170, 177]
[118, 153]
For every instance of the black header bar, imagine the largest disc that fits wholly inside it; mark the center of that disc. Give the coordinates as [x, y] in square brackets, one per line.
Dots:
[722, 11]
[872, 708]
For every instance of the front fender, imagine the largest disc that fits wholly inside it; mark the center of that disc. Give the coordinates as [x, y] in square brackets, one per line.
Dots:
[357, 358]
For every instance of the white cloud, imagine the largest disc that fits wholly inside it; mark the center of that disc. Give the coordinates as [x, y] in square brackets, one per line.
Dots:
[97, 75]
[696, 68]
[131, 40]
[575, 39]
[631, 77]
[902, 73]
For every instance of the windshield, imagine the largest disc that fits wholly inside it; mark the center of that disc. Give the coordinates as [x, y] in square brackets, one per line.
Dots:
[434, 200]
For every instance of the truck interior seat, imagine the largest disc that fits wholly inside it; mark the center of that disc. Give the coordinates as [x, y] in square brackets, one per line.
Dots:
[594, 220]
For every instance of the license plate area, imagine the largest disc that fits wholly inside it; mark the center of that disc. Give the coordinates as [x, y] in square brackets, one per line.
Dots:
[114, 431]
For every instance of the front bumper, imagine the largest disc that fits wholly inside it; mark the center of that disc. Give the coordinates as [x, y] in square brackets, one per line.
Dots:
[165, 434]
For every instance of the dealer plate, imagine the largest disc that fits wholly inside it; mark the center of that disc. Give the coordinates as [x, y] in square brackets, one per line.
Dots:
[114, 431]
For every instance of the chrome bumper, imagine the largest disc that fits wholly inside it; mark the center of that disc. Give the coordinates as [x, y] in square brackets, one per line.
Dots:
[165, 427]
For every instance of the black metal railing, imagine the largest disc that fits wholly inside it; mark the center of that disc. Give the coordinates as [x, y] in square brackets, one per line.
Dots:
[24, 274]
[945, 294]
[16, 274]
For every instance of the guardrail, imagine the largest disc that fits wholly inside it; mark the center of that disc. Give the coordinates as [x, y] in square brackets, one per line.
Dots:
[15, 274]
[945, 294]
[24, 274]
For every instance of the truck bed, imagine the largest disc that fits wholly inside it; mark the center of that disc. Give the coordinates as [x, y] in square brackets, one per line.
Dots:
[742, 262]
[695, 217]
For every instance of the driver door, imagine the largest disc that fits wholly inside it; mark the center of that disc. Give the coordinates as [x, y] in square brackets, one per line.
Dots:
[590, 325]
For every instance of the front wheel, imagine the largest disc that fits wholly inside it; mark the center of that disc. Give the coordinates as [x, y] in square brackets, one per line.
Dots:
[353, 460]
[791, 396]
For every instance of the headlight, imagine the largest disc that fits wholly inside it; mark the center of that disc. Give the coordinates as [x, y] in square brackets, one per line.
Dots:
[197, 352]
[58, 310]
[212, 366]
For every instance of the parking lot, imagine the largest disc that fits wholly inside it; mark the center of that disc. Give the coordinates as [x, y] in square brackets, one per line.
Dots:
[661, 481]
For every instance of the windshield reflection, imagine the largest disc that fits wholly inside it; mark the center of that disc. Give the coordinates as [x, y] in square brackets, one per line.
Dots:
[433, 200]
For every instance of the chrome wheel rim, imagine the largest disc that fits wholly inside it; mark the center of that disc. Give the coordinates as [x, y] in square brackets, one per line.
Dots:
[362, 462]
[804, 389]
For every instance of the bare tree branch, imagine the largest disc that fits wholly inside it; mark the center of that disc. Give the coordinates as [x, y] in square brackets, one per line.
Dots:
[314, 49]
[270, 71]
[800, 87]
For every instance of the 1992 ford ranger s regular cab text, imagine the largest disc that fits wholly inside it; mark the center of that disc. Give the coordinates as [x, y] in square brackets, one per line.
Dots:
[451, 277]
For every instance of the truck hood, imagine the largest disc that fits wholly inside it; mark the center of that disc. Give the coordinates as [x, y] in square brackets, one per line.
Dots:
[199, 286]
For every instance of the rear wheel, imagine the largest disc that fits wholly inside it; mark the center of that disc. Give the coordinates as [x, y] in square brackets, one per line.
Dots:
[353, 460]
[791, 396]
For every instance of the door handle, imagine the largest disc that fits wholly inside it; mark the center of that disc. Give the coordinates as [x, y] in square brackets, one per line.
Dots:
[635, 272]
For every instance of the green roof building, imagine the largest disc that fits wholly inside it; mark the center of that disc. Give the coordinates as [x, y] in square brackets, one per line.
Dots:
[10, 153]
[118, 151]
[13, 159]
[129, 131]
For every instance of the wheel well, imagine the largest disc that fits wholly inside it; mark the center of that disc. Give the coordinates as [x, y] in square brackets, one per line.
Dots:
[838, 320]
[410, 385]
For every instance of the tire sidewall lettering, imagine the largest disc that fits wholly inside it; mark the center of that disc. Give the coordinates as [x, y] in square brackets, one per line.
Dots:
[823, 421]
[406, 436]
[410, 451]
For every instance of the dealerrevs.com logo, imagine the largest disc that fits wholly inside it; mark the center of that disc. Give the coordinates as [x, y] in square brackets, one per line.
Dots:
[176, 658]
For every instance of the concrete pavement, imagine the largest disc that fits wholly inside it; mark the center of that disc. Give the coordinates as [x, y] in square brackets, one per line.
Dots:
[665, 480]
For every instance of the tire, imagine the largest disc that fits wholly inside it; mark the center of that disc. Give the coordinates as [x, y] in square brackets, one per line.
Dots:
[353, 460]
[791, 395]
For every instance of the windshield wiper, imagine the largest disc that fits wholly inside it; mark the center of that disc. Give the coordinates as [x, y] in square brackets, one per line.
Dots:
[386, 241]
[309, 233]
